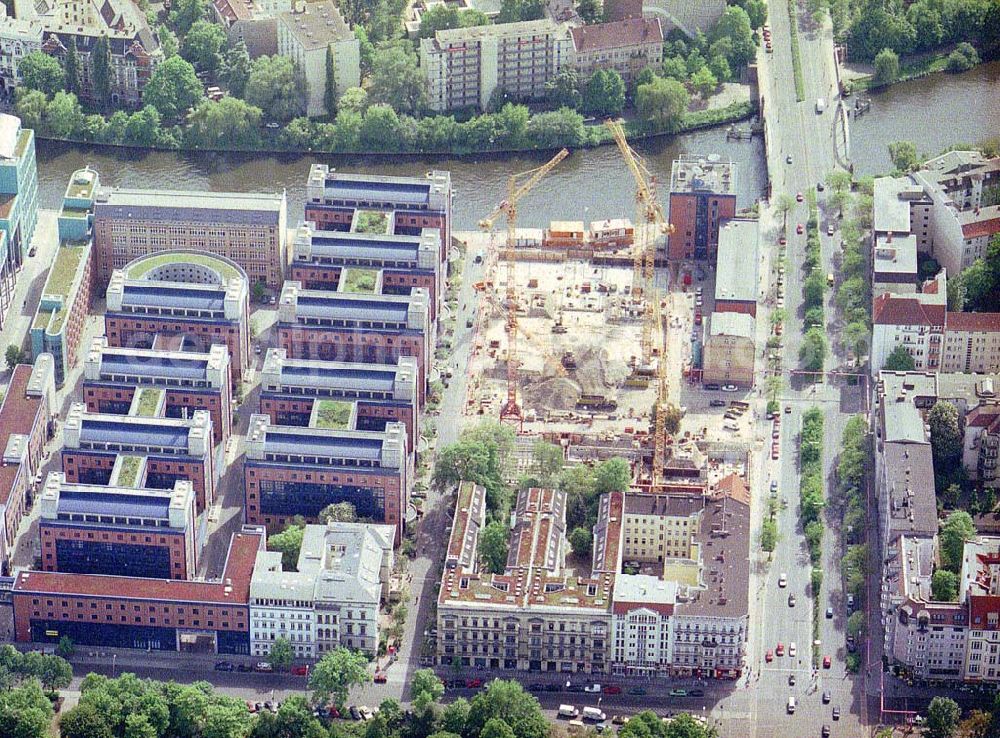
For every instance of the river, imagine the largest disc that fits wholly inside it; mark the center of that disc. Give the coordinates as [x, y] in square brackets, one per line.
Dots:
[934, 112]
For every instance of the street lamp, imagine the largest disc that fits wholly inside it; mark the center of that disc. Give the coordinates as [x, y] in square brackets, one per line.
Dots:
[114, 658]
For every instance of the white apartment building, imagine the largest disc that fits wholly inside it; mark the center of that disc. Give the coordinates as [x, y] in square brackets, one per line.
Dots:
[641, 625]
[307, 35]
[980, 586]
[333, 598]
[915, 321]
[17, 38]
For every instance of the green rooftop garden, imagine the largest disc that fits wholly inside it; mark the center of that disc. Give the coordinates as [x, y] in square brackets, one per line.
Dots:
[149, 401]
[128, 472]
[226, 270]
[42, 318]
[332, 414]
[64, 270]
[74, 212]
[371, 221]
[359, 280]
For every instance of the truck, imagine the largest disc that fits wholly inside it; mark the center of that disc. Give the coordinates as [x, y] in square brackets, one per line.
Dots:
[594, 714]
[820, 105]
[568, 711]
[598, 403]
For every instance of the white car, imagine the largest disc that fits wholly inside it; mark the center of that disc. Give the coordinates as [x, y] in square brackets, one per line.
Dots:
[730, 388]
[783, 580]
[592, 689]
[791, 649]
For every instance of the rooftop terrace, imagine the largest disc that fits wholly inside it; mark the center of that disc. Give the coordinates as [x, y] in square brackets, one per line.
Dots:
[139, 268]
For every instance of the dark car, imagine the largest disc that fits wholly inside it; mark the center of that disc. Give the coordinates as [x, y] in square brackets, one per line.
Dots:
[717, 403]
[696, 693]
[355, 713]
[836, 713]
[536, 688]
[826, 697]
[791, 680]
[637, 690]
[711, 385]
[575, 688]
[224, 666]
[552, 688]
[829, 613]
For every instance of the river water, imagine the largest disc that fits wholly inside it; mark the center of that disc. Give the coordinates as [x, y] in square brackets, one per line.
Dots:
[934, 112]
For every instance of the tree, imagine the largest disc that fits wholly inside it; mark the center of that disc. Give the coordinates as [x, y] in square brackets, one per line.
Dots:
[838, 180]
[380, 129]
[235, 69]
[963, 58]
[886, 67]
[173, 88]
[942, 717]
[65, 648]
[455, 715]
[944, 586]
[330, 91]
[14, 356]
[954, 532]
[662, 102]
[30, 108]
[856, 624]
[734, 26]
[63, 115]
[547, 461]
[227, 123]
[25, 712]
[203, 45]
[704, 82]
[339, 512]
[496, 728]
[71, 68]
[563, 127]
[289, 542]
[168, 42]
[671, 418]
[478, 457]
[41, 72]
[438, 18]
[493, 544]
[396, 80]
[277, 88]
[137, 726]
[512, 11]
[582, 541]
[281, 654]
[354, 99]
[84, 721]
[899, 360]
[812, 352]
[508, 702]
[425, 688]
[185, 13]
[613, 475]
[782, 205]
[904, 155]
[334, 675]
[100, 71]
[719, 67]
[605, 93]
[590, 10]
[946, 436]
[813, 289]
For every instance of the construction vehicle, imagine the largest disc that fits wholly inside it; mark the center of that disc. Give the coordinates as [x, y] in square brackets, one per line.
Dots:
[568, 360]
[517, 187]
[598, 403]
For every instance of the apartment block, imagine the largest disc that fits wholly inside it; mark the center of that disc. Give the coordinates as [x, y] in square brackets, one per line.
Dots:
[151, 614]
[730, 349]
[626, 46]
[246, 228]
[121, 531]
[18, 202]
[980, 588]
[356, 327]
[348, 261]
[293, 471]
[332, 598]
[465, 66]
[55, 27]
[981, 441]
[292, 390]
[62, 309]
[410, 204]
[316, 38]
[203, 300]
[702, 196]
[97, 448]
[914, 321]
[26, 421]
[971, 343]
[113, 376]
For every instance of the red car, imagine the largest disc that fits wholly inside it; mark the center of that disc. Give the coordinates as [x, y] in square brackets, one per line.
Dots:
[769, 656]
[300, 670]
[780, 650]
[379, 678]
[473, 683]
[782, 241]
[251, 706]
[697, 318]
[774, 451]
[799, 197]
[826, 662]
[612, 689]
[800, 229]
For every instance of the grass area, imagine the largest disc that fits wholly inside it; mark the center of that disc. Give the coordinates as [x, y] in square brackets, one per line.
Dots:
[332, 414]
[149, 401]
[74, 213]
[63, 270]
[359, 280]
[227, 271]
[128, 473]
[42, 318]
[371, 221]
[914, 70]
[812, 500]
[800, 85]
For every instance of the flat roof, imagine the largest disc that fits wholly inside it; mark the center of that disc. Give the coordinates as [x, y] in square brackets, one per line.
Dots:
[710, 173]
[330, 305]
[374, 246]
[317, 25]
[145, 264]
[232, 589]
[247, 208]
[409, 192]
[155, 364]
[166, 432]
[328, 442]
[174, 295]
[892, 212]
[358, 376]
[64, 269]
[736, 275]
[731, 324]
[898, 256]
[18, 414]
[108, 501]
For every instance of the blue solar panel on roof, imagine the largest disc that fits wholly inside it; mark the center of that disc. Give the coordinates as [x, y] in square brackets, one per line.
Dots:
[332, 307]
[350, 447]
[154, 366]
[410, 193]
[175, 297]
[110, 503]
[152, 434]
[368, 379]
[371, 249]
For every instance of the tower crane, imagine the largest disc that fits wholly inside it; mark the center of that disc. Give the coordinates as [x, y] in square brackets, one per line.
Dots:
[517, 187]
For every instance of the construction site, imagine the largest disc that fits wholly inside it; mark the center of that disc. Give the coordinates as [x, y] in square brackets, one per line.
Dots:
[591, 352]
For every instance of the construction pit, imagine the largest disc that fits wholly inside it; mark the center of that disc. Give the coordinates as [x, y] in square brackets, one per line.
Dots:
[579, 339]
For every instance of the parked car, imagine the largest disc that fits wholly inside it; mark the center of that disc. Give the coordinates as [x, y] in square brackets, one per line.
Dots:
[836, 713]
[710, 386]
[612, 689]
[696, 693]
[592, 689]
[791, 680]
[380, 677]
[730, 388]
[300, 670]
[799, 197]
[826, 662]
[826, 697]
[366, 713]
[800, 229]
[263, 666]
[637, 691]
[829, 613]
[473, 683]
[224, 666]
[791, 600]
[825, 731]
[780, 650]
[717, 403]
[536, 687]
[678, 693]
[251, 706]
[769, 656]
[792, 649]
[355, 713]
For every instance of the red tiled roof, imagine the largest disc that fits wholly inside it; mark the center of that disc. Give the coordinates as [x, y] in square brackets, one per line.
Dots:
[617, 34]
[979, 607]
[982, 416]
[18, 414]
[239, 568]
[974, 322]
[890, 309]
[981, 228]
[622, 608]
[735, 488]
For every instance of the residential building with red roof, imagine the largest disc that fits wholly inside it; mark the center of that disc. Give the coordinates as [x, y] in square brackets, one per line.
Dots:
[627, 46]
[971, 343]
[25, 418]
[914, 321]
[980, 590]
[204, 616]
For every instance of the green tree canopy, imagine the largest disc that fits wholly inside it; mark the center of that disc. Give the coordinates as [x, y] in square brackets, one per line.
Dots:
[734, 25]
[662, 102]
[493, 545]
[899, 360]
[230, 122]
[277, 88]
[508, 702]
[425, 688]
[946, 435]
[288, 542]
[812, 352]
[203, 45]
[581, 541]
[41, 72]
[944, 586]
[334, 675]
[185, 13]
[943, 714]
[954, 532]
[234, 71]
[281, 654]
[904, 155]
[397, 80]
[604, 93]
[886, 67]
[173, 88]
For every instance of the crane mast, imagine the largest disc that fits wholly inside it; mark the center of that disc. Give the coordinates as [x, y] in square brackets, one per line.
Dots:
[517, 187]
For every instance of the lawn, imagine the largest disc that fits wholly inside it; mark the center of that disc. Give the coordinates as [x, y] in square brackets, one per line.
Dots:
[371, 221]
[63, 270]
[212, 262]
[360, 280]
[149, 400]
[333, 414]
[129, 471]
